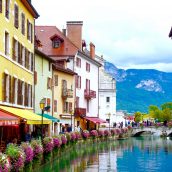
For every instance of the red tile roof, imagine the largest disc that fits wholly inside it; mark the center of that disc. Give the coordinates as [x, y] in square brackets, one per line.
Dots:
[45, 33]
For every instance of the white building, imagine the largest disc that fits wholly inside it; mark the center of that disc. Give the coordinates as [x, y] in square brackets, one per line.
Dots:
[107, 95]
[87, 80]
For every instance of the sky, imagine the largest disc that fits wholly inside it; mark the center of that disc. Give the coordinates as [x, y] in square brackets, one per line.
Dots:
[128, 33]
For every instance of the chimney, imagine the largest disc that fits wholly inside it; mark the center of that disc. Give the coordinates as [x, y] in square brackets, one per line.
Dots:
[64, 32]
[74, 32]
[92, 50]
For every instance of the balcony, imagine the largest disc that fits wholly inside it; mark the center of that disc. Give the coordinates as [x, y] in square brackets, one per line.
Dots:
[89, 94]
[80, 112]
[67, 93]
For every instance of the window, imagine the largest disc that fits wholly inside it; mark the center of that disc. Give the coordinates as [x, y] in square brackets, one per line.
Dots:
[87, 84]
[15, 50]
[78, 81]
[108, 99]
[87, 105]
[70, 107]
[87, 67]
[22, 97]
[78, 62]
[30, 56]
[19, 92]
[23, 24]
[29, 31]
[29, 95]
[26, 95]
[56, 43]
[49, 83]
[23, 56]
[77, 102]
[55, 105]
[56, 80]
[6, 43]
[6, 88]
[15, 91]
[35, 77]
[16, 16]
[0, 6]
[7, 8]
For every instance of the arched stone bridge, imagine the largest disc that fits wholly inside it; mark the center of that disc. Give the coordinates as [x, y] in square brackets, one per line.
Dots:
[153, 130]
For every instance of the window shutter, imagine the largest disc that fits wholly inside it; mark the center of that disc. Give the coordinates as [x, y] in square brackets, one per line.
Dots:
[10, 90]
[76, 81]
[27, 29]
[26, 95]
[70, 107]
[48, 103]
[26, 59]
[14, 53]
[16, 16]
[31, 32]
[23, 24]
[13, 91]
[80, 81]
[0, 6]
[56, 80]
[4, 87]
[32, 62]
[31, 101]
[35, 77]
[55, 105]
[22, 93]
[19, 53]
[64, 107]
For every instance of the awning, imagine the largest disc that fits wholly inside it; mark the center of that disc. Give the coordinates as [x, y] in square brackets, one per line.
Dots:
[95, 120]
[6, 119]
[52, 118]
[30, 117]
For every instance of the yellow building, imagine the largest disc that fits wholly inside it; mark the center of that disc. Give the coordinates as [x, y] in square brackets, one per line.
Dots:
[17, 20]
[64, 97]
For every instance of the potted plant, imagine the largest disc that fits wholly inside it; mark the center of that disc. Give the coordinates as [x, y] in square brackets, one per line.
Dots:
[16, 156]
[4, 163]
[28, 150]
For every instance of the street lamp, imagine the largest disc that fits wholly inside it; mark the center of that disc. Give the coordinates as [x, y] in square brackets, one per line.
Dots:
[42, 107]
[109, 114]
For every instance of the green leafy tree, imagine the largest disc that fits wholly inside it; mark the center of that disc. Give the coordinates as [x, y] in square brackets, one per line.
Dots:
[166, 114]
[138, 116]
[166, 105]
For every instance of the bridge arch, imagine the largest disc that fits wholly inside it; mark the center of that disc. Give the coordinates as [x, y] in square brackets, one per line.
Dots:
[138, 133]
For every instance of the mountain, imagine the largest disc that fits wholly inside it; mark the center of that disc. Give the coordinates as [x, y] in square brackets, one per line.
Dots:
[139, 88]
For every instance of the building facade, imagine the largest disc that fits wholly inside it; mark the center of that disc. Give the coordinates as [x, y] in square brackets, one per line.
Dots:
[64, 98]
[107, 95]
[17, 53]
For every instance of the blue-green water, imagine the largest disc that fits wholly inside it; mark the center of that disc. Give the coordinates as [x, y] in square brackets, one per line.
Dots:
[142, 154]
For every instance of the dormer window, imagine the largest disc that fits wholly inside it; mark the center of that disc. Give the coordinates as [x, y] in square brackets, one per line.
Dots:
[56, 41]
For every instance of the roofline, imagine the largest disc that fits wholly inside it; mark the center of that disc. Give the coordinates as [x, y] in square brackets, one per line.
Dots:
[89, 58]
[64, 70]
[44, 55]
[30, 7]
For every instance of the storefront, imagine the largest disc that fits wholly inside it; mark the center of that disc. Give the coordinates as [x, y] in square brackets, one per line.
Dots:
[23, 120]
[92, 123]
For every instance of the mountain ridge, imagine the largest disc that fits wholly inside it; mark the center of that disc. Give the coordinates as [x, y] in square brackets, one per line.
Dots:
[139, 88]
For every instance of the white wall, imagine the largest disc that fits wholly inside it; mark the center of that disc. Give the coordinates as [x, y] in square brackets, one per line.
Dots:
[93, 77]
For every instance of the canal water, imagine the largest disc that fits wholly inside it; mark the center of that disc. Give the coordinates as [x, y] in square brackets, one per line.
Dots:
[136, 154]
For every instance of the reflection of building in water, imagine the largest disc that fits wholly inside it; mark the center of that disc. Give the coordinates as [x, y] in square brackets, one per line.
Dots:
[108, 162]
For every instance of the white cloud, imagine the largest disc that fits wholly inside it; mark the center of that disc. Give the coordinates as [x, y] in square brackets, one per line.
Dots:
[125, 31]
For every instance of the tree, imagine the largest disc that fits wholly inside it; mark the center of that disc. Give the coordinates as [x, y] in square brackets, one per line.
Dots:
[166, 114]
[138, 116]
[166, 105]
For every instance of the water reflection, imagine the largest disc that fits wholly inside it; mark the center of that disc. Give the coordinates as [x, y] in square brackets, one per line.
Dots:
[148, 154]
